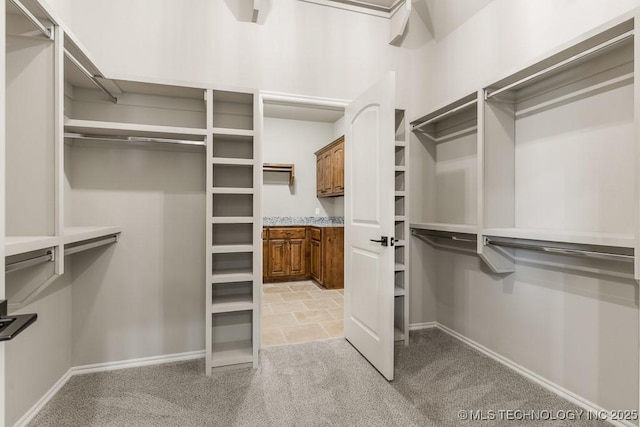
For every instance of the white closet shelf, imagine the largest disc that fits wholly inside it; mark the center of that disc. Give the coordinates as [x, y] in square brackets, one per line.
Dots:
[562, 236]
[231, 249]
[229, 303]
[232, 132]
[232, 276]
[78, 234]
[15, 245]
[398, 291]
[232, 190]
[399, 267]
[232, 353]
[232, 161]
[398, 243]
[94, 127]
[401, 193]
[449, 228]
[397, 334]
[400, 218]
[401, 168]
[232, 220]
[401, 143]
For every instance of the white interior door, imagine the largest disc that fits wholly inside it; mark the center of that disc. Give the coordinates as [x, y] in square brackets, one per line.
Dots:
[369, 216]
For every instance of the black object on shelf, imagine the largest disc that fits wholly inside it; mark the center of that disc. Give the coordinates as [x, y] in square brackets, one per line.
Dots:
[11, 326]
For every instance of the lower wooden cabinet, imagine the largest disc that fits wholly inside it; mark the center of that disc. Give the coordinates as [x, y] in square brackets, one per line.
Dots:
[299, 253]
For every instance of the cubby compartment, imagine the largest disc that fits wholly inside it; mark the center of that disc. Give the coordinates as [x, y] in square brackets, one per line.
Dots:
[449, 142]
[232, 176]
[400, 125]
[227, 297]
[400, 205]
[400, 181]
[399, 255]
[232, 110]
[232, 333]
[232, 146]
[399, 230]
[400, 156]
[560, 149]
[232, 205]
[232, 234]
[400, 324]
[232, 263]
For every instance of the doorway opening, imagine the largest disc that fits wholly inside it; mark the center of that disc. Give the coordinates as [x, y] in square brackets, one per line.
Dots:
[303, 220]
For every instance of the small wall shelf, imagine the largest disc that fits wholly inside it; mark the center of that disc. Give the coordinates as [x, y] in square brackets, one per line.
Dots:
[281, 167]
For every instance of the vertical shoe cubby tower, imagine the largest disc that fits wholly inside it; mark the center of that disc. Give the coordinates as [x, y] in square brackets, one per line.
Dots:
[401, 248]
[234, 256]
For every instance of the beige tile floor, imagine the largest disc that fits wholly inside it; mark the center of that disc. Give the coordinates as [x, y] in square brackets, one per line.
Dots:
[294, 312]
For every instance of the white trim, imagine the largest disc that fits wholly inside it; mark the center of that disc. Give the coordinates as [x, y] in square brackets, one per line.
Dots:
[104, 367]
[536, 378]
[353, 8]
[31, 413]
[422, 326]
[303, 100]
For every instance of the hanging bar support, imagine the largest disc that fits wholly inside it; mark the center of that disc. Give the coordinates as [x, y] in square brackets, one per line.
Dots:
[31, 17]
[90, 76]
[443, 115]
[80, 248]
[29, 262]
[562, 251]
[584, 54]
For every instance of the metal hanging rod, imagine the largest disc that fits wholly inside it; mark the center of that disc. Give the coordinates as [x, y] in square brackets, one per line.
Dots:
[445, 114]
[31, 17]
[133, 139]
[562, 251]
[568, 61]
[90, 76]
[102, 242]
[19, 265]
[443, 236]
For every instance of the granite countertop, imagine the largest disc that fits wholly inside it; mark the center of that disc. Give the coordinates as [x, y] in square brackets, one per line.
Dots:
[315, 221]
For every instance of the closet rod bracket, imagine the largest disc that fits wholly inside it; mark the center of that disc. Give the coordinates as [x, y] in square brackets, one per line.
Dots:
[11, 326]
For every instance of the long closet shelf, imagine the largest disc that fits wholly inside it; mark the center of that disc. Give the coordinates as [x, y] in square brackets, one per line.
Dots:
[398, 291]
[230, 161]
[231, 303]
[232, 190]
[449, 228]
[561, 236]
[15, 245]
[232, 132]
[231, 249]
[231, 353]
[78, 234]
[232, 276]
[232, 220]
[132, 129]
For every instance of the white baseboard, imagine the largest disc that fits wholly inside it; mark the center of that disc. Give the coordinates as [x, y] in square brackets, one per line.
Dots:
[136, 363]
[33, 411]
[538, 379]
[421, 326]
[102, 367]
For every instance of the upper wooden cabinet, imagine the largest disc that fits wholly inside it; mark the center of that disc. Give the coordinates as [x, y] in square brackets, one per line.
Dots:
[330, 169]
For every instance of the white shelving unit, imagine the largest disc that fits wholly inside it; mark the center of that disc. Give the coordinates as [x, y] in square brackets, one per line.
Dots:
[401, 270]
[555, 166]
[234, 248]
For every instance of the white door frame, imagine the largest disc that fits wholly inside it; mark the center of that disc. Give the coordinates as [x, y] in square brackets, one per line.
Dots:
[295, 101]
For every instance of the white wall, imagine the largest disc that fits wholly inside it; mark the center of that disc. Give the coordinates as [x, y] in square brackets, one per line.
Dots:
[295, 141]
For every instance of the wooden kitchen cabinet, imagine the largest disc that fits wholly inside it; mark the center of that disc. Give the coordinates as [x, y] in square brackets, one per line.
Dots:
[286, 255]
[330, 169]
[300, 253]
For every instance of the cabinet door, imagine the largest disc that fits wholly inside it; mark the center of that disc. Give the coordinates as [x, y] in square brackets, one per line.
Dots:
[327, 186]
[278, 258]
[265, 260]
[319, 175]
[297, 259]
[316, 256]
[337, 166]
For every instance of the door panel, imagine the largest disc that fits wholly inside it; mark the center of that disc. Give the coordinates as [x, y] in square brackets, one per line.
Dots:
[315, 266]
[297, 259]
[337, 158]
[369, 214]
[278, 258]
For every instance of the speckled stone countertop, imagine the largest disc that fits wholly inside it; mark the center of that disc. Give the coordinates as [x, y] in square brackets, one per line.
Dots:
[316, 221]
